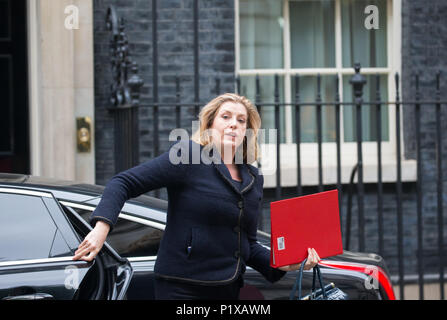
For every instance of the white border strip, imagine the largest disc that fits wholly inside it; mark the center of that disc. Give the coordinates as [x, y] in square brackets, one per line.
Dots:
[27, 192]
[313, 71]
[143, 221]
[34, 87]
[36, 261]
[142, 259]
[76, 205]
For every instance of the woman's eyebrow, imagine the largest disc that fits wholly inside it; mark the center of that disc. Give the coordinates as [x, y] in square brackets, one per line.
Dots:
[239, 114]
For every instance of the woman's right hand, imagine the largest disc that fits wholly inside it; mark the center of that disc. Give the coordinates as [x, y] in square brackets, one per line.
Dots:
[93, 242]
[312, 260]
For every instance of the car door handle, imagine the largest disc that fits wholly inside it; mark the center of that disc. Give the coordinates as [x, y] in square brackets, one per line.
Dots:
[32, 296]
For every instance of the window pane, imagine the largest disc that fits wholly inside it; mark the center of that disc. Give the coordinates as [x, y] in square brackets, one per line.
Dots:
[6, 107]
[60, 247]
[261, 39]
[266, 95]
[131, 239]
[5, 19]
[26, 228]
[369, 117]
[312, 33]
[368, 47]
[308, 93]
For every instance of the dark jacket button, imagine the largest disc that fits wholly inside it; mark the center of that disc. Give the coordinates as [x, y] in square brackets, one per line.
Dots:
[240, 204]
[237, 254]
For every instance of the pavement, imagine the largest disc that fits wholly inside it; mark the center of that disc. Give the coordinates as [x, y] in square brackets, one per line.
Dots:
[432, 291]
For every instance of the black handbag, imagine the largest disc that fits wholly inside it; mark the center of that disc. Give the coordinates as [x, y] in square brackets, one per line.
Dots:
[326, 292]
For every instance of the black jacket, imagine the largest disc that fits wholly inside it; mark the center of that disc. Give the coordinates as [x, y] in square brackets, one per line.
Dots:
[210, 234]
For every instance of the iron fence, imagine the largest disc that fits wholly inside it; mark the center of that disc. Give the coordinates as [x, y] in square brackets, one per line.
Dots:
[357, 81]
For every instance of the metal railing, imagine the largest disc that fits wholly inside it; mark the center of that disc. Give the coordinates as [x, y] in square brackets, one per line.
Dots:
[357, 82]
[125, 94]
[358, 169]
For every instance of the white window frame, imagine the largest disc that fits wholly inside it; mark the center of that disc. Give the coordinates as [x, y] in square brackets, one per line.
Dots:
[309, 151]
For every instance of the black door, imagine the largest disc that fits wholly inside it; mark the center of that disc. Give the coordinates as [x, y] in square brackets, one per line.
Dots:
[14, 124]
[35, 255]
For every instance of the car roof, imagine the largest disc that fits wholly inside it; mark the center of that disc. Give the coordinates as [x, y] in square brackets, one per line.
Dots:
[25, 179]
[60, 188]
[86, 193]
[90, 194]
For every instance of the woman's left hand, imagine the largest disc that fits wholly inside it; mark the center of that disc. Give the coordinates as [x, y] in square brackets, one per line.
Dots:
[312, 261]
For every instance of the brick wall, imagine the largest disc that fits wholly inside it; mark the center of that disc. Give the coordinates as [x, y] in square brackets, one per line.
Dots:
[175, 57]
[424, 47]
[424, 44]
[424, 51]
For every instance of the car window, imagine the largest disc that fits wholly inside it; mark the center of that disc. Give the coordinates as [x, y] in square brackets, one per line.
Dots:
[27, 230]
[131, 239]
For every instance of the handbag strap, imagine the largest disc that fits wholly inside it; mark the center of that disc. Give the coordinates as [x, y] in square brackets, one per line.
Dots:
[297, 284]
[320, 279]
[299, 279]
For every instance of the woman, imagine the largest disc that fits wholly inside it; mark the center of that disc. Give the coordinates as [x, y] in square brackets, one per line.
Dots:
[214, 199]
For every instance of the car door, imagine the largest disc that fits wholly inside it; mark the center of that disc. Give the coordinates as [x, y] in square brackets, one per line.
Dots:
[35, 255]
[136, 239]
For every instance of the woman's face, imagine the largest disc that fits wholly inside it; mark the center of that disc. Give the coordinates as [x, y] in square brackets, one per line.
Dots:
[230, 125]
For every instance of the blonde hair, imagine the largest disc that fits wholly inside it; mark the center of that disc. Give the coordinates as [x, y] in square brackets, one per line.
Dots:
[208, 113]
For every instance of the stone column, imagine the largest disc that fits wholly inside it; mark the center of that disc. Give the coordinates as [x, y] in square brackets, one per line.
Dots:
[84, 99]
[61, 88]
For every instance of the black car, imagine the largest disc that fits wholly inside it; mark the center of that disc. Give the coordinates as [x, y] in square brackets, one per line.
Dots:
[37, 242]
[137, 234]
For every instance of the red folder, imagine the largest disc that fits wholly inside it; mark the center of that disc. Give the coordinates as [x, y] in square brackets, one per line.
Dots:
[311, 221]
